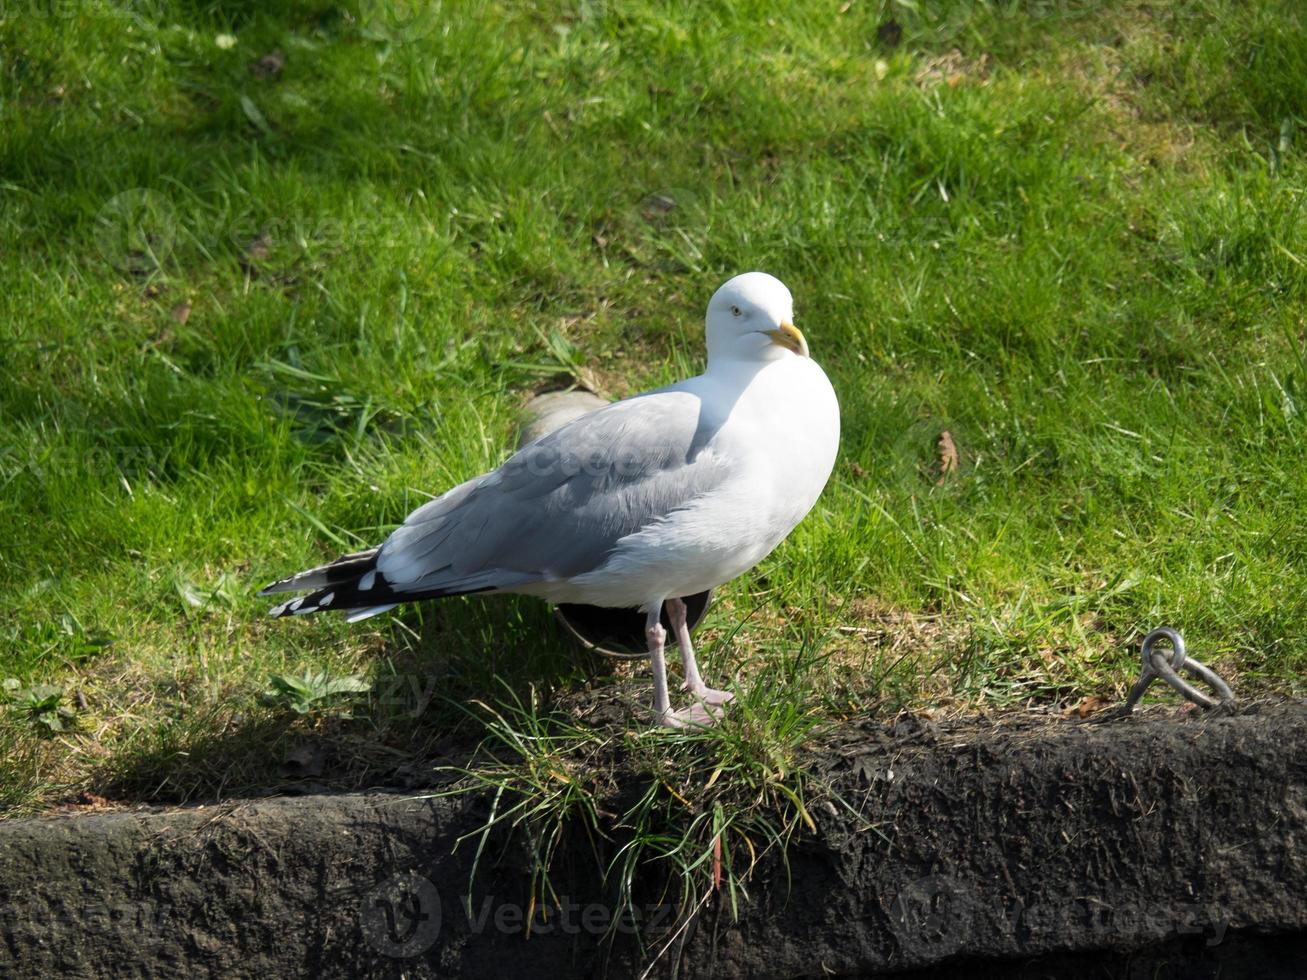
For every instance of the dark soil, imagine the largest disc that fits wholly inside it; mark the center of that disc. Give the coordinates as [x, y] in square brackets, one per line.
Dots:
[1164, 845]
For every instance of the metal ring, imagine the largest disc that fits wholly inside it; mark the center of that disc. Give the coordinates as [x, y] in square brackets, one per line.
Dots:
[1158, 664]
[1177, 657]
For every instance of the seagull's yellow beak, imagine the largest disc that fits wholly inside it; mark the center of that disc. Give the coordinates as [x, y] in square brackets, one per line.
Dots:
[787, 335]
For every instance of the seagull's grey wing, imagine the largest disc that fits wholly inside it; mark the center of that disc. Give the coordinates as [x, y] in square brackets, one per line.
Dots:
[559, 506]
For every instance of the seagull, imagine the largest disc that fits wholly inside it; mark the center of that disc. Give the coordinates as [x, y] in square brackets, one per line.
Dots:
[635, 505]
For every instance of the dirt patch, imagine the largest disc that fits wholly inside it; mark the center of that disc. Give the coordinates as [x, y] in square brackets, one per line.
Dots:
[978, 846]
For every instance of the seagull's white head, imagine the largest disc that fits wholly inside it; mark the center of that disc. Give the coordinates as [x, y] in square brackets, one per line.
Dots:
[749, 320]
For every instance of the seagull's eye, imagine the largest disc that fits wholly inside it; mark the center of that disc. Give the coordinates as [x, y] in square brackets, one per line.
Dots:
[736, 311]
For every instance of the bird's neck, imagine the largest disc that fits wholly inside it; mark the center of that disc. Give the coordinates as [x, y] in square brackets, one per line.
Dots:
[741, 370]
[737, 374]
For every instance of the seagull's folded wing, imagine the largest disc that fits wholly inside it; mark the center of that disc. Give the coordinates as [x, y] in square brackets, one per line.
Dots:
[558, 507]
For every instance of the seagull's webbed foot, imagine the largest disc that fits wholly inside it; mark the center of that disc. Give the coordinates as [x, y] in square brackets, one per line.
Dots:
[709, 695]
[698, 715]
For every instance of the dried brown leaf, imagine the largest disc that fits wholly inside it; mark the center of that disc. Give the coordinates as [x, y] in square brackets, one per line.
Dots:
[1092, 704]
[948, 456]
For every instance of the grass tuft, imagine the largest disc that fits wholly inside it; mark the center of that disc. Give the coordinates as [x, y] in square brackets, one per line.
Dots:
[673, 818]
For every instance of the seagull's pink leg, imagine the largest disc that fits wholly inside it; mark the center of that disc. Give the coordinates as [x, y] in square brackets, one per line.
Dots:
[656, 637]
[676, 611]
[696, 714]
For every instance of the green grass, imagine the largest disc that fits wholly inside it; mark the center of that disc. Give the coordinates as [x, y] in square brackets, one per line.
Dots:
[681, 817]
[1069, 233]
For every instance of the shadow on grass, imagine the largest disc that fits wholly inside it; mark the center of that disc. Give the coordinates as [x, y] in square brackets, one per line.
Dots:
[443, 660]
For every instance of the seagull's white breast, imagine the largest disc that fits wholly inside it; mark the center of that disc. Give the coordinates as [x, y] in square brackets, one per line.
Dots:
[779, 437]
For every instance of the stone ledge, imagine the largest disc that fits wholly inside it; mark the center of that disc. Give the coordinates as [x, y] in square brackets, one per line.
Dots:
[992, 843]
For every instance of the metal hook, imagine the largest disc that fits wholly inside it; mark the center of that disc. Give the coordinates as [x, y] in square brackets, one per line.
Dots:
[1157, 664]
